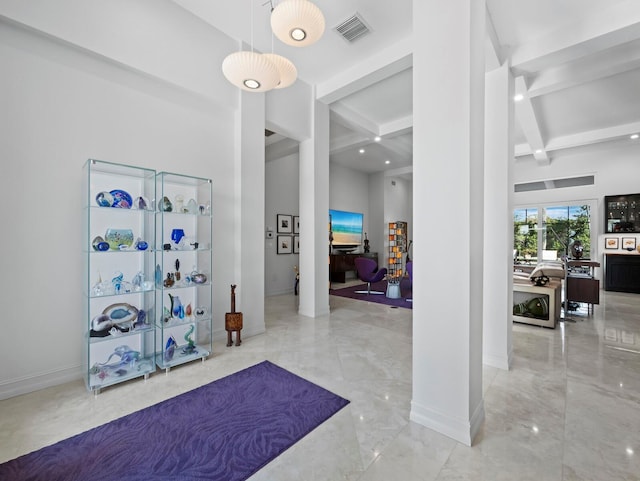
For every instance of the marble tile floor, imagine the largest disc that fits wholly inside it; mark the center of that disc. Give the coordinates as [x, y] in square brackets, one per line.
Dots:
[568, 410]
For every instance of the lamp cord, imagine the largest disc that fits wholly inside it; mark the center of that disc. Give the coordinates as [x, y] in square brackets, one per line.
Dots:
[251, 26]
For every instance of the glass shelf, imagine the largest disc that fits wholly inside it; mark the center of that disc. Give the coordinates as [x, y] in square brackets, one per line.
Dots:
[110, 376]
[116, 358]
[184, 229]
[200, 352]
[114, 294]
[122, 335]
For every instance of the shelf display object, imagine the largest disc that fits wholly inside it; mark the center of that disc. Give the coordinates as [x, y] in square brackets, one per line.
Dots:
[183, 269]
[119, 266]
[622, 213]
[397, 248]
[537, 305]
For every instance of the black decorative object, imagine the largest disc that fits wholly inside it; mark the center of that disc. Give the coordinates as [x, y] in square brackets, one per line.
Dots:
[540, 280]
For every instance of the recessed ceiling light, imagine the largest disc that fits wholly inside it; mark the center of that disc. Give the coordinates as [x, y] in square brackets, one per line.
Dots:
[362, 151]
[377, 138]
[387, 162]
[634, 136]
[538, 151]
[518, 97]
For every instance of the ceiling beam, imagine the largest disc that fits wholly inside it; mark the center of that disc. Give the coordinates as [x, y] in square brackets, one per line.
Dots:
[347, 142]
[526, 116]
[603, 30]
[281, 149]
[492, 51]
[354, 121]
[384, 64]
[598, 66]
[617, 132]
[396, 126]
[399, 146]
[593, 136]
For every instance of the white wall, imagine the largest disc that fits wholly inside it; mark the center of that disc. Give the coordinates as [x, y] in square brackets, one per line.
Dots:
[398, 206]
[288, 111]
[282, 197]
[378, 237]
[62, 105]
[349, 191]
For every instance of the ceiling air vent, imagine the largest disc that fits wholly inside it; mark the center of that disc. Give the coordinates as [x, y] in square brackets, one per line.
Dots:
[353, 28]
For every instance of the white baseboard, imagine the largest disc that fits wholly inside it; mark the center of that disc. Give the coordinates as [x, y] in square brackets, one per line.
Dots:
[30, 384]
[499, 362]
[41, 381]
[459, 430]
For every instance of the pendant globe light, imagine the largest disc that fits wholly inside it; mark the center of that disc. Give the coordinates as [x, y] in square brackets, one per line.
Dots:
[287, 72]
[297, 22]
[251, 71]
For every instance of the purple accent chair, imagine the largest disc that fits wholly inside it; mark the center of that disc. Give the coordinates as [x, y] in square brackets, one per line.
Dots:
[410, 272]
[368, 272]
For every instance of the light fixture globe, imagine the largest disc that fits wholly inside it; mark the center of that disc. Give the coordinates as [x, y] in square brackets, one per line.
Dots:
[287, 71]
[250, 71]
[297, 22]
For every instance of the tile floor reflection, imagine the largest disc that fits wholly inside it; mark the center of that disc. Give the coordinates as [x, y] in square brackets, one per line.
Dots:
[568, 410]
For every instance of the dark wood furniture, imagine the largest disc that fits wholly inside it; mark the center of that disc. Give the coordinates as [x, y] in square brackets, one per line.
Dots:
[582, 286]
[622, 273]
[340, 264]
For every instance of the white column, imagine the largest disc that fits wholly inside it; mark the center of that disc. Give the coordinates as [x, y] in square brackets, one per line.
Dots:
[314, 216]
[448, 113]
[498, 218]
[249, 221]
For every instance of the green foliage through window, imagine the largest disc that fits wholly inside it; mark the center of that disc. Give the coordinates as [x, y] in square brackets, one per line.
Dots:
[561, 226]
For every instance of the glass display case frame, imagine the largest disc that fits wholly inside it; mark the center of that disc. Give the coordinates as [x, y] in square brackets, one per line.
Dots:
[183, 269]
[119, 262]
[622, 213]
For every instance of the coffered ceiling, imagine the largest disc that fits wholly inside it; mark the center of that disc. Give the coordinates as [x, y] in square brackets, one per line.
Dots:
[576, 63]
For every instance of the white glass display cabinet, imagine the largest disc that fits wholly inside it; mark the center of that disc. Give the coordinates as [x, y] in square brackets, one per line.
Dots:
[119, 298]
[183, 269]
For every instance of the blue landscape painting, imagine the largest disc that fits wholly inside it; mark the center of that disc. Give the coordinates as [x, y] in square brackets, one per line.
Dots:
[346, 228]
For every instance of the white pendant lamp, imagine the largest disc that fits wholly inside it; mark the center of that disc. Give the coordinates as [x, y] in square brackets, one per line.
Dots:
[251, 71]
[297, 22]
[286, 70]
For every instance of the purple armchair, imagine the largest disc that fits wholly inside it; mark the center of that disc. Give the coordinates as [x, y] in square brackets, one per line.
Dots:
[410, 272]
[368, 272]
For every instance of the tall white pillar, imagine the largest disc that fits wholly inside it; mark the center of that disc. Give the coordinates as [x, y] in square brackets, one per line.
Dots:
[498, 218]
[314, 216]
[448, 114]
[249, 223]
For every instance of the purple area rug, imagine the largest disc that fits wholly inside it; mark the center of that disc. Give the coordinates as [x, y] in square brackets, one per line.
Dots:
[224, 431]
[405, 289]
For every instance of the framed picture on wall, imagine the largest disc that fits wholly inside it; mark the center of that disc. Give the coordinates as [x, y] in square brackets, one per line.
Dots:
[285, 224]
[296, 224]
[296, 244]
[284, 244]
[611, 242]
[629, 243]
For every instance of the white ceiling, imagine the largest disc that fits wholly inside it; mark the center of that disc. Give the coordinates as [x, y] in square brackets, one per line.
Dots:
[577, 62]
